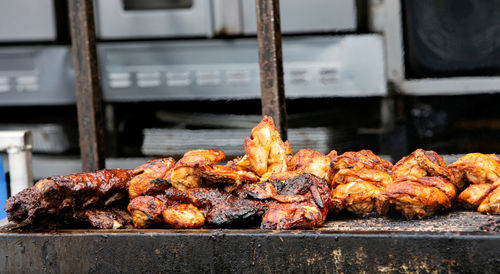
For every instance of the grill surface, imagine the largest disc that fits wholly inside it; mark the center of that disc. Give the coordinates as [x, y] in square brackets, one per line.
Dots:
[458, 221]
[453, 242]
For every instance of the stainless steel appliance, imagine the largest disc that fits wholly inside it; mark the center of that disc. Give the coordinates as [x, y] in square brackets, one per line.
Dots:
[118, 19]
[36, 75]
[299, 16]
[124, 19]
[347, 66]
[27, 20]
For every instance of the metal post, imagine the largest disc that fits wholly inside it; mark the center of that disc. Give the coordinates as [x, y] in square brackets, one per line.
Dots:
[18, 145]
[271, 63]
[88, 90]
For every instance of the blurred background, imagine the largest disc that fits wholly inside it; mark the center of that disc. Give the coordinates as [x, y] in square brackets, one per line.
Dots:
[385, 75]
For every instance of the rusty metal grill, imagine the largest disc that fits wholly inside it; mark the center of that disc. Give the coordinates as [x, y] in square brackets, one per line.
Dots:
[455, 242]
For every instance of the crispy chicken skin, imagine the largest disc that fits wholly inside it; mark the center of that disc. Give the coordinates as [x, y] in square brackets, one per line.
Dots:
[358, 178]
[146, 173]
[475, 168]
[361, 159]
[266, 152]
[421, 163]
[53, 196]
[183, 216]
[421, 186]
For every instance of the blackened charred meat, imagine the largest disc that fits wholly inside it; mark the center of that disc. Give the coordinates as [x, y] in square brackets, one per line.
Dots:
[220, 208]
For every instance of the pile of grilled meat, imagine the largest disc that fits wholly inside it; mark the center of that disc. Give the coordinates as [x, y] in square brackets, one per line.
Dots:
[269, 186]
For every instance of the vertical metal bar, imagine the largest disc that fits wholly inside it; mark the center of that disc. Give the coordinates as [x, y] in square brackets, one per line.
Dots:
[88, 90]
[271, 63]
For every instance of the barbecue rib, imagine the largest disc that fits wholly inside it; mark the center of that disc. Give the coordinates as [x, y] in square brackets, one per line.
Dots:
[358, 178]
[144, 177]
[421, 186]
[56, 196]
[480, 174]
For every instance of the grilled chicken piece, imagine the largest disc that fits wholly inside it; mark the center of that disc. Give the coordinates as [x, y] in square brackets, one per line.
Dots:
[473, 195]
[292, 215]
[218, 207]
[299, 202]
[422, 186]
[187, 173]
[63, 195]
[358, 178]
[421, 163]
[144, 181]
[480, 173]
[359, 197]
[417, 197]
[183, 216]
[475, 168]
[265, 152]
[491, 204]
[106, 218]
[151, 211]
[197, 169]
[231, 176]
[146, 211]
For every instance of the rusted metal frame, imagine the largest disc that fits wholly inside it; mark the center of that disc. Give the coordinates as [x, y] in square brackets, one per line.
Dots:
[271, 63]
[88, 90]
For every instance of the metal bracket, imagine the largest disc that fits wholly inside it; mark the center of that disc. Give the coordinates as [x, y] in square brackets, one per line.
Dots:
[18, 145]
